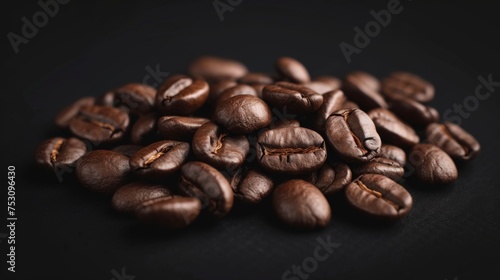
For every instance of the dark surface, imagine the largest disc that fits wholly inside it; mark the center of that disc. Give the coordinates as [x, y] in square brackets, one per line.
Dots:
[65, 232]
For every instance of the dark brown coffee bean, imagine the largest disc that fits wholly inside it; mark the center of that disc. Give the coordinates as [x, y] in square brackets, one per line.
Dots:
[218, 87]
[409, 85]
[333, 82]
[294, 150]
[100, 124]
[332, 102]
[127, 150]
[216, 68]
[181, 95]
[254, 78]
[393, 153]
[103, 171]
[206, 183]
[134, 98]
[251, 186]
[300, 204]
[379, 196]
[353, 135]
[59, 153]
[169, 212]
[214, 145]
[292, 70]
[234, 91]
[432, 165]
[243, 114]
[330, 179]
[382, 166]
[295, 98]
[413, 112]
[454, 140]
[392, 129]
[362, 88]
[64, 117]
[323, 84]
[179, 128]
[144, 128]
[160, 159]
[128, 197]
[349, 105]
[284, 123]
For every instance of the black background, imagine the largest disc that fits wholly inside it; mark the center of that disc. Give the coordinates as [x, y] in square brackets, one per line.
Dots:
[66, 232]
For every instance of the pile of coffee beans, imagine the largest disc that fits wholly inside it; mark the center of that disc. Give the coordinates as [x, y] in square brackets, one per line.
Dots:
[221, 135]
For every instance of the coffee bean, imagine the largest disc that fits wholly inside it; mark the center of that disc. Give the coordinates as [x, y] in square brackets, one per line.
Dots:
[206, 183]
[432, 165]
[103, 171]
[332, 102]
[181, 95]
[254, 78]
[300, 204]
[292, 70]
[100, 124]
[392, 130]
[413, 112]
[409, 85]
[379, 165]
[294, 150]
[214, 145]
[127, 150]
[250, 186]
[324, 84]
[348, 104]
[379, 196]
[352, 135]
[234, 91]
[144, 128]
[332, 81]
[243, 114]
[284, 123]
[169, 212]
[363, 88]
[64, 117]
[128, 197]
[454, 140]
[330, 179]
[393, 153]
[216, 68]
[218, 87]
[59, 153]
[295, 98]
[134, 98]
[179, 128]
[160, 159]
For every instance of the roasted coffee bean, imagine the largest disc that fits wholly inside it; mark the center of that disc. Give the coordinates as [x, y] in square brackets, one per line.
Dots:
[330, 179]
[134, 98]
[59, 153]
[324, 84]
[379, 165]
[284, 123]
[206, 183]
[362, 88]
[348, 104]
[258, 89]
[216, 68]
[393, 153]
[300, 204]
[127, 150]
[409, 85]
[353, 136]
[103, 171]
[144, 128]
[179, 128]
[413, 112]
[332, 102]
[332, 81]
[432, 165]
[294, 150]
[128, 197]
[234, 91]
[250, 186]
[453, 139]
[181, 95]
[291, 70]
[169, 212]
[218, 87]
[100, 124]
[160, 159]
[295, 98]
[64, 117]
[254, 78]
[379, 196]
[214, 145]
[392, 130]
[243, 114]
